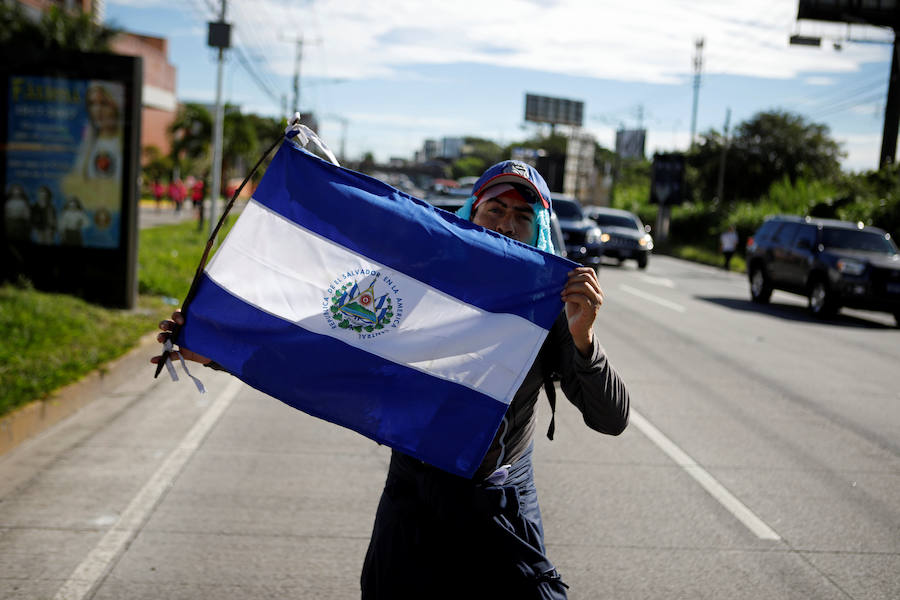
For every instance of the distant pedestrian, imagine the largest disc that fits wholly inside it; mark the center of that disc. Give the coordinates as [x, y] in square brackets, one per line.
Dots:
[197, 192]
[158, 190]
[728, 242]
[177, 193]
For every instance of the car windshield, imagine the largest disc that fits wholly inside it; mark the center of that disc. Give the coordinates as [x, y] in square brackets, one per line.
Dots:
[566, 210]
[854, 239]
[616, 221]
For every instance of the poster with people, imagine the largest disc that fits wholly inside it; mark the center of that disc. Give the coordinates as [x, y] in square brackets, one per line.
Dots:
[64, 161]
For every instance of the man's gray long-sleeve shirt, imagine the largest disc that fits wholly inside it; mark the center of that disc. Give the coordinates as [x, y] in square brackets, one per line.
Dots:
[590, 383]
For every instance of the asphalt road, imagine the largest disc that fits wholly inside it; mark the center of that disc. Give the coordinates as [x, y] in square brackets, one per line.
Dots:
[762, 461]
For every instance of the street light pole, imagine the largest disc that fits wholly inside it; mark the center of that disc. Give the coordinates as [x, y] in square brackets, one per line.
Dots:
[219, 37]
[698, 67]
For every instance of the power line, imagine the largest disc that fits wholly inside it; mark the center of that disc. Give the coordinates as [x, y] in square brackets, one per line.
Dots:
[852, 104]
[241, 56]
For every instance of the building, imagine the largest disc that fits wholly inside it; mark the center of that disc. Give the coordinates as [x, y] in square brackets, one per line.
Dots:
[452, 148]
[431, 150]
[159, 106]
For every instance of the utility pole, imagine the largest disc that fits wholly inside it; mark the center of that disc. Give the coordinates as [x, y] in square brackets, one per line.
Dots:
[295, 106]
[720, 186]
[298, 61]
[698, 68]
[219, 37]
[891, 111]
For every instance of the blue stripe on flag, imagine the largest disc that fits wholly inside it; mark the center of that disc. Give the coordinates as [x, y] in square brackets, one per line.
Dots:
[443, 423]
[450, 254]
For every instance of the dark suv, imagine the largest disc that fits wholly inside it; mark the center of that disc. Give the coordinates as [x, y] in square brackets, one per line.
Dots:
[832, 263]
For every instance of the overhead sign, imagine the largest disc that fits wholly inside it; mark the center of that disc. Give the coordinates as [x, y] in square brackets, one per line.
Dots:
[667, 179]
[884, 13]
[630, 143]
[557, 111]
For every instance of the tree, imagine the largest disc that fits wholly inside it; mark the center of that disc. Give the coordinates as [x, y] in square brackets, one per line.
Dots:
[156, 164]
[487, 150]
[191, 133]
[764, 149]
[57, 30]
[468, 166]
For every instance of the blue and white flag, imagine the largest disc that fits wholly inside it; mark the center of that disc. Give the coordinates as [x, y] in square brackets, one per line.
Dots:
[356, 303]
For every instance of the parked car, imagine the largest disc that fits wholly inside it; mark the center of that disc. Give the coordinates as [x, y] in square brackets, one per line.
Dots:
[583, 238]
[624, 236]
[832, 263]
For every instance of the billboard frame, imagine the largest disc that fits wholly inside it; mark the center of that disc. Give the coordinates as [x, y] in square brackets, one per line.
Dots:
[106, 276]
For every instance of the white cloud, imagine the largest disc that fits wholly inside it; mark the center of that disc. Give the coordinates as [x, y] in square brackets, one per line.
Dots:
[863, 150]
[820, 80]
[651, 42]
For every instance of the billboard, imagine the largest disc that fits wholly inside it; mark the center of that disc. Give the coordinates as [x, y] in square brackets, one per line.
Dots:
[69, 173]
[883, 13]
[64, 151]
[667, 179]
[630, 143]
[556, 111]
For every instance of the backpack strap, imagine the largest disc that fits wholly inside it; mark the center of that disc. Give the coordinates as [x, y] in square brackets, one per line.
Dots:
[550, 390]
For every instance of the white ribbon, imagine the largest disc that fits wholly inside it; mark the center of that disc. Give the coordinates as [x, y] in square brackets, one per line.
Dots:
[171, 368]
[301, 135]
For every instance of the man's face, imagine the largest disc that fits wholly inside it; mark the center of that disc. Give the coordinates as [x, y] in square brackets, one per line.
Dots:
[509, 215]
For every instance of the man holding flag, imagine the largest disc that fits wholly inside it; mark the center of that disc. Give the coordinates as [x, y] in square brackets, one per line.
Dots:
[442, 531]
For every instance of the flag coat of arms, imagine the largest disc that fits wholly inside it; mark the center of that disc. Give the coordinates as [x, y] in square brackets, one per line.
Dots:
[361, 305]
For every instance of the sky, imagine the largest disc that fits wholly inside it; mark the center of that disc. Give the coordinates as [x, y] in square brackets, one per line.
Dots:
[384, 76]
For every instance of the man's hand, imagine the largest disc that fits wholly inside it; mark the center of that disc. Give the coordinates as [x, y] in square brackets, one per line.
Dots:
[583, 297]
[167, 327]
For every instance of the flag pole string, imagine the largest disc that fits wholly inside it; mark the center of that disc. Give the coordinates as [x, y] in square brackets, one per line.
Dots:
[303, 135]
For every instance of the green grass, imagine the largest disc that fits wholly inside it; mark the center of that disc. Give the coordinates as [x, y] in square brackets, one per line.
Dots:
[52, 340]
[705, 256]
[168, 258]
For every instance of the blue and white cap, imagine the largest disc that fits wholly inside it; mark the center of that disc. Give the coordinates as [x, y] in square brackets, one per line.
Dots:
[517, 173]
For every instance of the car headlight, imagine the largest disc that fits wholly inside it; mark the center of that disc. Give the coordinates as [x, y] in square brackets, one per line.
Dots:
[646, 242]
[851, 267]
[593, 237]
[604, 238]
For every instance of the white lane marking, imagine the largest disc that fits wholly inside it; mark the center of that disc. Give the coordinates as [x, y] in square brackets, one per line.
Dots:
[663, 281]
[652, 298]
[707, 481]
[96, 565]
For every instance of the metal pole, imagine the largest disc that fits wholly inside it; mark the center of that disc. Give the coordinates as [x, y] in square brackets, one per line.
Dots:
[720, 186]
[218, 127]
[891, 112]
[299, 59]
[698, 67]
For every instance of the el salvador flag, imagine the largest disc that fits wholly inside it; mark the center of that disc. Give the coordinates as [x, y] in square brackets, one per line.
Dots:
[356, 303]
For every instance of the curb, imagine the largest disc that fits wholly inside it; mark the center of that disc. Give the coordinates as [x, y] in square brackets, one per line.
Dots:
[30, 420]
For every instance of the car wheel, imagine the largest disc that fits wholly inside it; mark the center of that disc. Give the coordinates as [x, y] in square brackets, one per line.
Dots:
[821, 300]
[642, 262]
[760, 288]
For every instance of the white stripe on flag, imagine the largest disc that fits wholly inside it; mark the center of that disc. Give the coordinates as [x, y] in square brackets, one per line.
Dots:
[286, 270]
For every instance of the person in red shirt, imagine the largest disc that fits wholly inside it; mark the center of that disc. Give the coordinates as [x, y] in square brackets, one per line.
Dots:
[158, 190]
[197, 193]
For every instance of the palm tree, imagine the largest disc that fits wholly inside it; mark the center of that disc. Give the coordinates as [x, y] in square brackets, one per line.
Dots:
[191, 134]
